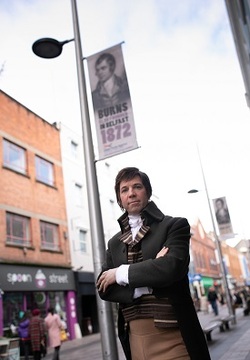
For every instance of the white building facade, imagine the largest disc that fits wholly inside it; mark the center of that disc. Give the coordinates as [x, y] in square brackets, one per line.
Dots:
[79, 232]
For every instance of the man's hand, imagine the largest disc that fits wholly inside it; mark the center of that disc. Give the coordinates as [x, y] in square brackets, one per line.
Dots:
[162, 252]
[107, 278]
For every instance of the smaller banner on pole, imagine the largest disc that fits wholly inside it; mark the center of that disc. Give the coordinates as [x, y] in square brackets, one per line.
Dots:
[111, 102]
[223, 217]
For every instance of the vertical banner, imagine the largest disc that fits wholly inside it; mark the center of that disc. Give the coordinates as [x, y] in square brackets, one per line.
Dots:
[112, 105]
[223, 217]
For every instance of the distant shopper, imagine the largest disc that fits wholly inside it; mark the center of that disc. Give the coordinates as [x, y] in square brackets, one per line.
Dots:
[54, 325]
[246, 296]
[23, 333]
[212, 299]
[37, 334]
[237, 300]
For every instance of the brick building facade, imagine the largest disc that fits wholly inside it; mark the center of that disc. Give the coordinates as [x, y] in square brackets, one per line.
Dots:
[35, 265]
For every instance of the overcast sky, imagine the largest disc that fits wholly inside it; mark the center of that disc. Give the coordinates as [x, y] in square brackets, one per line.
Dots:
[185, 83]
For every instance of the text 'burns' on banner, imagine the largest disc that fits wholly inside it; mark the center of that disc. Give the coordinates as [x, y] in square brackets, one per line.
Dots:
[111, 102]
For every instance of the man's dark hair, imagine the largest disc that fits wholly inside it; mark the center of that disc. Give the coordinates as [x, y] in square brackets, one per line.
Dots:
[109, 58]
[130, 173]
[51, 310]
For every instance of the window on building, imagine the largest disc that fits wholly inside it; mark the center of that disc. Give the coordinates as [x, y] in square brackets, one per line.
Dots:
[18, 230]
[14, 157]
[44, 171]
[83, 241]
[74, 149]
[112, 208]
[213, 264]
[107, 169]
[78, 195]
[49, 236]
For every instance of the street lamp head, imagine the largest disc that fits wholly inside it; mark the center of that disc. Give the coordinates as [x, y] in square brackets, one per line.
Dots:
[48, 48]
[193, 191]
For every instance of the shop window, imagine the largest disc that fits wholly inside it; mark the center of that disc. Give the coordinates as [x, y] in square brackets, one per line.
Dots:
[36, 300]
[14, 157]
[18, 230]
[57, 301]
[12, 305]
[49, 236]
[44, 171]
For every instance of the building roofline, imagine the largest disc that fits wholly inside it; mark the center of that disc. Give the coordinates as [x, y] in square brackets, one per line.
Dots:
[54, 124]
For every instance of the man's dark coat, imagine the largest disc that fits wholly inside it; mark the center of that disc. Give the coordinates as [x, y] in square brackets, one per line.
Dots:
[167, 276]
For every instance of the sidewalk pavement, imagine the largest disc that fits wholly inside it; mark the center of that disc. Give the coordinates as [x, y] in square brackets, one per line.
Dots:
[233, 344]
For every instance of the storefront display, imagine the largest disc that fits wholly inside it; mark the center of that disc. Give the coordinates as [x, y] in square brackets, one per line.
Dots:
[25, 288]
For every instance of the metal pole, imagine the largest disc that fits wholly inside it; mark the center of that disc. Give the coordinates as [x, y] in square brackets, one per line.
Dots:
[105, 314]
[218, 245]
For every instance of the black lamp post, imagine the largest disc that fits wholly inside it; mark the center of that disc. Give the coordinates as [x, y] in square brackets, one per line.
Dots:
[193, 191]
[50, 48]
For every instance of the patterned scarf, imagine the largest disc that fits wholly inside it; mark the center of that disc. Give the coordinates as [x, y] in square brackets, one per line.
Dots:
[127, 237]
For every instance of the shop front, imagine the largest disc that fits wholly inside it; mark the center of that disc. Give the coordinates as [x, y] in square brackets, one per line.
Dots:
[27, 287]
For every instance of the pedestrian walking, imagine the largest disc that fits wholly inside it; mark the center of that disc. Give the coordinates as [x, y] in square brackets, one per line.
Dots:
[23, 333]
[146, 272]
[212, 299]
[37, 334]
[54, 325]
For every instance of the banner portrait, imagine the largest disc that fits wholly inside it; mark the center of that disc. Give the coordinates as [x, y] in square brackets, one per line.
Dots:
[223, 217]
[112, 105]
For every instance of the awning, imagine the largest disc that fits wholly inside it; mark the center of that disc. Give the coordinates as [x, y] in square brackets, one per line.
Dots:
[207, 281]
